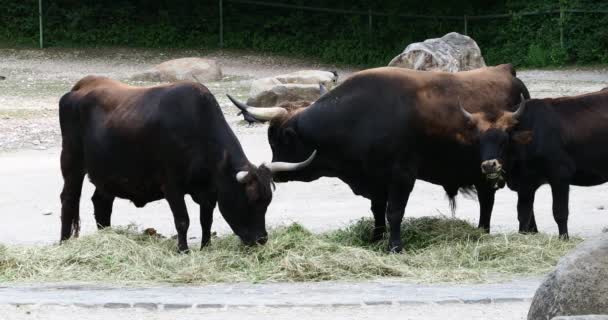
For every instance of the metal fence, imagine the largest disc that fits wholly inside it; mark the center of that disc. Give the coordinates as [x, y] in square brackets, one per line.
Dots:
[371, 14]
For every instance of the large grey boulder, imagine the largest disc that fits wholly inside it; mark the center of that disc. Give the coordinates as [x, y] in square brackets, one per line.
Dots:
[192, 69]
[296, 86]
[578, 285]
[452, 53]
[585, 317]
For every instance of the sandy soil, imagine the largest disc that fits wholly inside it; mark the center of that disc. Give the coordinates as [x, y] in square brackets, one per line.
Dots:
[29, 137]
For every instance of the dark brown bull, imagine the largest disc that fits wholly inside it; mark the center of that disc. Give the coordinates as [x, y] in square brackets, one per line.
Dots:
[161, 142]
[556, 141]
[384, 128]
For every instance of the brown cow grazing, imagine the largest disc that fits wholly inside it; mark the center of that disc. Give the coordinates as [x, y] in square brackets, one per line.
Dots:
[161, 142]
[556, 141]
[383, 128]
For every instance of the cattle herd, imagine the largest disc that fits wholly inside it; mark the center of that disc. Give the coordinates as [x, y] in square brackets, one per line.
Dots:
[378, 131]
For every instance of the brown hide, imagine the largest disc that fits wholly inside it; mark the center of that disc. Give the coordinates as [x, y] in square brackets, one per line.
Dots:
[118, 100]
[485, 92]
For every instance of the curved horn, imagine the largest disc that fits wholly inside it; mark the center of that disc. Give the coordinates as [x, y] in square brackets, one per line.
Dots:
[288, 166]
[260, 114]
[466, 114]
[241, 175]
[520, 109]
[322, 89]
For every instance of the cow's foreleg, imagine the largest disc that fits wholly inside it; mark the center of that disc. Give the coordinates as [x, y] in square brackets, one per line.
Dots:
[379, 211]
[485, 195]
[398, 195]
[73, 173]
[102, 204]
[560, 192]
[207, 204]
[180, 216]
[525, 210]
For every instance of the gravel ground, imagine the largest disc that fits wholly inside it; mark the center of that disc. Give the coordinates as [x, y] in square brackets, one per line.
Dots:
[28, 120]
[35, 80]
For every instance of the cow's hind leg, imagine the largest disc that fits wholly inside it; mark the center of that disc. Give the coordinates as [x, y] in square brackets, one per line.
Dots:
[379, 212]
[175, 198]
[72, 169]
[560, 192]
[398, 195]
[207, 205]
[102, 204]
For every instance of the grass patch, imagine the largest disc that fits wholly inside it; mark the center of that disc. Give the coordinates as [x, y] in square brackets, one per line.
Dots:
[437, 250]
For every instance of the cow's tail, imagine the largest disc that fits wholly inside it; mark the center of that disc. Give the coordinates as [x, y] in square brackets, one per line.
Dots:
[467, 191]
[451, 193]
[72, 167]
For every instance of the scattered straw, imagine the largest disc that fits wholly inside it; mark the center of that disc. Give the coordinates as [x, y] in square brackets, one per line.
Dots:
[437, 250]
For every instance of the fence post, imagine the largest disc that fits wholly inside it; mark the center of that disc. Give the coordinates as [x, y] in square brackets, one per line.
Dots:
[466, 25]
[561, 26]
[221, 23]
[40, 23]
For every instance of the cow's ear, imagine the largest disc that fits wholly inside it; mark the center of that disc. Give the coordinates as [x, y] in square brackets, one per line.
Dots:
[523, 137]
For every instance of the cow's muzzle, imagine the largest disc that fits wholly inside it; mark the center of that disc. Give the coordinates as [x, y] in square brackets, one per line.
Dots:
[491, 168]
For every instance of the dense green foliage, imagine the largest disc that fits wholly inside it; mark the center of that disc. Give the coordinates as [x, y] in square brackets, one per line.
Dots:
[334, 37]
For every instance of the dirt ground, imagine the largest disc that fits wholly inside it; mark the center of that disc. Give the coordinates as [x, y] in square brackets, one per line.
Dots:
[30, 139]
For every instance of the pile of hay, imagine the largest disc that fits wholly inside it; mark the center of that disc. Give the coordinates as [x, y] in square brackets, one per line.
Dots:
[436, 250]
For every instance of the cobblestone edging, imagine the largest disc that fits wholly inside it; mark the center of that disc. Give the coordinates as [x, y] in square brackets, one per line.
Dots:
[277, 295]
[176, 306]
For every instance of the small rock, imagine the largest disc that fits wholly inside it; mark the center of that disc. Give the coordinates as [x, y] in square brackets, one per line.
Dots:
[600, 208]
[48, 213]
[296, 86]
[2, 77]
[192, 69]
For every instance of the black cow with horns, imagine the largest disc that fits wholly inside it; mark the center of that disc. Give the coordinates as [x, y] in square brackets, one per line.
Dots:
[555, 141]
[382, 129]
[160, 142]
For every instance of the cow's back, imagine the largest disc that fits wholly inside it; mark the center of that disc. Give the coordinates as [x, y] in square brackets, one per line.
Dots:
[133, 138]
[383, 115]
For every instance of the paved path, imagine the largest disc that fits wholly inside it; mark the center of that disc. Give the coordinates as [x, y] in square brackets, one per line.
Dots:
[323, 294]
[500, 311]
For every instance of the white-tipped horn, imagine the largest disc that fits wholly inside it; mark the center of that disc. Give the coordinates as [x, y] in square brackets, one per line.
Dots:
[241, 175]
[262, 114]
[288, 166]
[466, 114]
[520, 109]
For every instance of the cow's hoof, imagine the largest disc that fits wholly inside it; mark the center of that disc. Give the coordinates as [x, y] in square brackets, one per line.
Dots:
[205, 243]
[395, 248]
[564, 237]
[183, 251]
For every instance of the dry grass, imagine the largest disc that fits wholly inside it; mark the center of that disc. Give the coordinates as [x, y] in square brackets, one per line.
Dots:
[437, 250]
